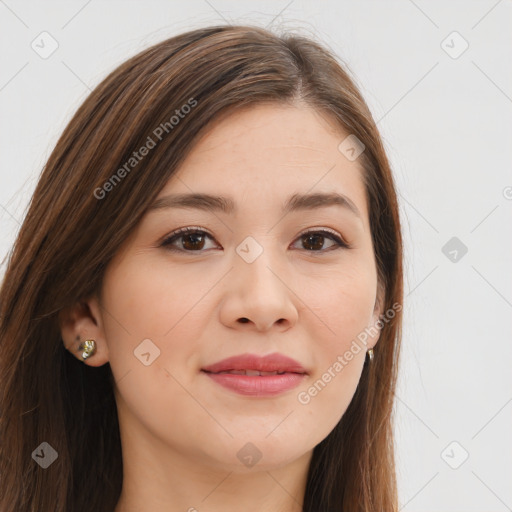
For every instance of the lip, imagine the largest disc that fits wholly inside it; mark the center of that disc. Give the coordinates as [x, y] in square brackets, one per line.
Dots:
[257, 385]
[269, 363]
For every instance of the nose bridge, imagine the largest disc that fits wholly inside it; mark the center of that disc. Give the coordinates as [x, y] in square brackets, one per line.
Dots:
[253, 261]
[257, 292]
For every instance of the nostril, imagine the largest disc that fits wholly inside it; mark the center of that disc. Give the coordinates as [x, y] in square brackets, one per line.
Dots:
[244, 320]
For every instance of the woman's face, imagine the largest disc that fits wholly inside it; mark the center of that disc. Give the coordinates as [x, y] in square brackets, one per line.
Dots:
[245, 281]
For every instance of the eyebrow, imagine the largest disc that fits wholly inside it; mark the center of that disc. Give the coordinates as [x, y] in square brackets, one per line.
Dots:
[296, 202]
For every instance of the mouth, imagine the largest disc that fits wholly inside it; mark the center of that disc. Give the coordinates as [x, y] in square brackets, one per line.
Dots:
[254, 365]
[251, 373]
[257, 376]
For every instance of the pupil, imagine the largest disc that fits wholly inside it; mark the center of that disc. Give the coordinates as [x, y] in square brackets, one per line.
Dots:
[195, 241]
[317, 238]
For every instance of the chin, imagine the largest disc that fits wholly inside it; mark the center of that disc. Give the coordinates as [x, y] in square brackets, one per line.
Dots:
[250, 453]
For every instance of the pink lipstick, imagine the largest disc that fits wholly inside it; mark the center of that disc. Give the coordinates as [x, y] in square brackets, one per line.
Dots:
[253, 375]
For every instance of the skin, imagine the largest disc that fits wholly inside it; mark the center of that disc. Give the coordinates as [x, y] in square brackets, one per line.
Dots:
[181, 431]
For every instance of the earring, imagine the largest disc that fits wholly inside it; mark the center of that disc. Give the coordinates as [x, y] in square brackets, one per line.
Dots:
[370, 354]
[88, 347]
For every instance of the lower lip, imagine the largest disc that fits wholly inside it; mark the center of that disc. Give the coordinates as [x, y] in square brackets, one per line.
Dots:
[249, 385]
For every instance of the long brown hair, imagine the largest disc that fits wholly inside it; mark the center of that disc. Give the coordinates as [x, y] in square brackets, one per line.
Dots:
[79, 216]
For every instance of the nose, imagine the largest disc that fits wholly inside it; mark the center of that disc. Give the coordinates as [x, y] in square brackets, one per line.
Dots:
[258, 294]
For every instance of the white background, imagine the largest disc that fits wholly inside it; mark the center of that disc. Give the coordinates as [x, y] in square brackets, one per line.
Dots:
[446, 124]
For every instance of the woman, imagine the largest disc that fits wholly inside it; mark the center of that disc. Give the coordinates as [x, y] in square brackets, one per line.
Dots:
[202, 309]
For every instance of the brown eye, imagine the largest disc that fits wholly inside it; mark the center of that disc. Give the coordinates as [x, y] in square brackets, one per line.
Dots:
[313, 241]
[192, 240]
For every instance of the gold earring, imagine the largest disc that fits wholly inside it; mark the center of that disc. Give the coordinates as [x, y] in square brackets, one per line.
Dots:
[88, 347]
[370, 354]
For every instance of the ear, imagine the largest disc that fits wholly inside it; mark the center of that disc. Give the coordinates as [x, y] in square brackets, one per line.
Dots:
[378, 311]
[83, 321]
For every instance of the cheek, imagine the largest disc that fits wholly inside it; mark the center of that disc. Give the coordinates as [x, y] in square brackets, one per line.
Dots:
[146, 300]
[329, 392]
[343, 305]
[343, 309]
[150, 299]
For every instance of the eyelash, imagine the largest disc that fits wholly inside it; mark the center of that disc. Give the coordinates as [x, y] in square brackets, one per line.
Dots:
[340, 243]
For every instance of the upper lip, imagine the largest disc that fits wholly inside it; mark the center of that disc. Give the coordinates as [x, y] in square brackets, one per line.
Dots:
[269, 363]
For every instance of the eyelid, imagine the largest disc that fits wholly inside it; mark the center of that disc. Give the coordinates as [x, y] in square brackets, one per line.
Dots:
[165, 241]
[340, 240]
[320, 229]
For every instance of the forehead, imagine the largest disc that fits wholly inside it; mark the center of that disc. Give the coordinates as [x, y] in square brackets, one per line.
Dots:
[270, 151]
